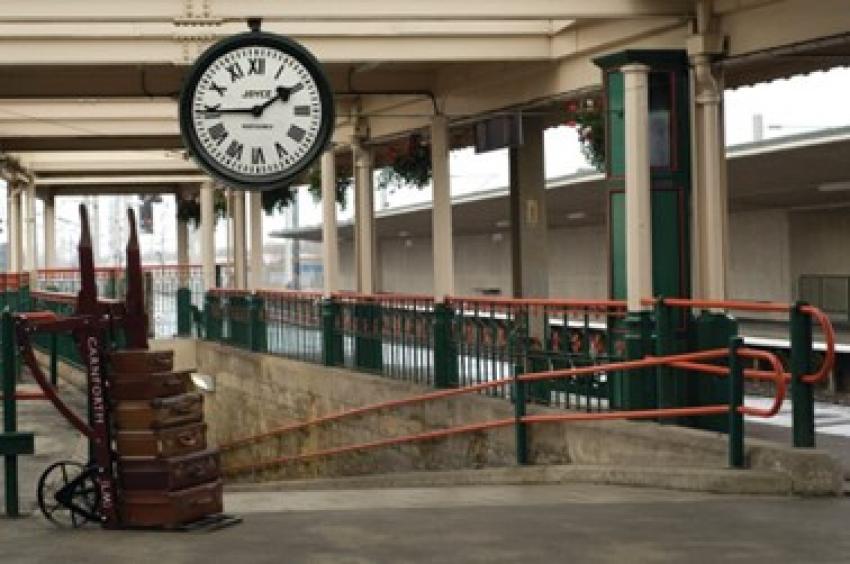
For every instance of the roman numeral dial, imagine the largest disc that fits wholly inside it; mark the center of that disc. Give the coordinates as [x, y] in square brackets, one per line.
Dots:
[257, 112]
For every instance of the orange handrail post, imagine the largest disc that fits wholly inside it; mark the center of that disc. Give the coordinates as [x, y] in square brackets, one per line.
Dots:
[802, 393]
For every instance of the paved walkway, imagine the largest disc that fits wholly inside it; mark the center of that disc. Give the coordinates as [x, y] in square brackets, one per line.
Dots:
[514, 524]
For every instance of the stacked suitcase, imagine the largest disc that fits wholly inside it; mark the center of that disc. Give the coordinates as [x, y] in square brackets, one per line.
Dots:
[167, 475]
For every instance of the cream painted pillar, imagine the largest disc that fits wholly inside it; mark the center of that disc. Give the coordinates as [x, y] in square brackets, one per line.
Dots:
[364, 220]
[30, 255]
[237, 211]
[207, 233]
[14, 229]
[441, 224]
[638, 195]
[256, 276]
[330, 244]
[183, 252]
[711, 193]
[50, 231]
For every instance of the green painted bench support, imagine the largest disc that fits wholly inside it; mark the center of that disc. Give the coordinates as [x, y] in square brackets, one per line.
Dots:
[12, 442]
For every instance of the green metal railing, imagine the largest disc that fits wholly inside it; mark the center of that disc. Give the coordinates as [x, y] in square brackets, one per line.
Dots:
[474, 341]
[389, 335]
[500, 337]
[412, 338]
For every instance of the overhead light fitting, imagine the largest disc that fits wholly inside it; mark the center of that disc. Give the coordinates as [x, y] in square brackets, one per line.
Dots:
[503, 223]
[576, 215]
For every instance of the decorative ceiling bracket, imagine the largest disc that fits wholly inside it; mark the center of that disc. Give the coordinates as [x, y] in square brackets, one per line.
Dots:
[196, 29]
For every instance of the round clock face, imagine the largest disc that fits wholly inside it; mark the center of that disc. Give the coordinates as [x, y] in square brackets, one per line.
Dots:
[256, 110]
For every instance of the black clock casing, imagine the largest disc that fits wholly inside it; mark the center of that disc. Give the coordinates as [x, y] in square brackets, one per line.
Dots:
[215, 165]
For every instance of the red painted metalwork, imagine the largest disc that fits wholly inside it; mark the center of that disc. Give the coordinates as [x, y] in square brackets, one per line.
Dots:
[769, 307]
[92, 317]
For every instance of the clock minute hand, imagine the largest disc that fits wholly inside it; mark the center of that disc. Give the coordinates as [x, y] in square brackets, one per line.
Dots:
[217, 110]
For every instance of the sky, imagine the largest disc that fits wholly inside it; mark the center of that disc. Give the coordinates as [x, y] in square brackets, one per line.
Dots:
[790, 106]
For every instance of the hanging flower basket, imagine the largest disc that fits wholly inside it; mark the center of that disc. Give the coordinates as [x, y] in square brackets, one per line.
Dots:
[189, 209]
[586, 116]
[409, 164]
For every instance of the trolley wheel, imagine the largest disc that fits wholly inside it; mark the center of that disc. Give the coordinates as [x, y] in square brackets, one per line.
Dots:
[68, 494]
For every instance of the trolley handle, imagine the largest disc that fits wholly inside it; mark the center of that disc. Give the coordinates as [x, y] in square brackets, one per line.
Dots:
[27, 323]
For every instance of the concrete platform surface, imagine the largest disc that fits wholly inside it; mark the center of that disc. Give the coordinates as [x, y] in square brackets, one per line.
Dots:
[509, 524]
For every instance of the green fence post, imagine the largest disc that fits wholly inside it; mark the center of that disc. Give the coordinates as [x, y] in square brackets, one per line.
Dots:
[445, 348]
[802, 394]
[24, 294]
[257, 314]
[112, 284]
[736, 400]
[10, 415]
[332, 347]
[713, 331]
[184, 312]
[213, 317]
[368, 352]
[237, 319]
[670, 385]
[639, 387]
[539, 391]
[521, 429]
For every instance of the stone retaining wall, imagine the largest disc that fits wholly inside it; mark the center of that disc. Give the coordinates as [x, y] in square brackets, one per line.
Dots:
[254, 393]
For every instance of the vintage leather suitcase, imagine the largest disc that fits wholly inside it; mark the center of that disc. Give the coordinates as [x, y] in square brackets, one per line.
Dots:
[141, 361]
[159, 413]
[150, 386]
[162, 443]
[170, 474]
[171, 509]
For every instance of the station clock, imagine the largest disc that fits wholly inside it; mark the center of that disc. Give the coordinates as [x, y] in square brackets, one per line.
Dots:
[256, 110]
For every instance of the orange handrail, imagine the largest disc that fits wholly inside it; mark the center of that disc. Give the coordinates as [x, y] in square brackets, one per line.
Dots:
[778, 378]
[775, 307]
[829, 339]
[541, 302]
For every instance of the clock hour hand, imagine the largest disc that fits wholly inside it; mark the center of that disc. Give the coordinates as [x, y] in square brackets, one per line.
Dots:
[282, 95]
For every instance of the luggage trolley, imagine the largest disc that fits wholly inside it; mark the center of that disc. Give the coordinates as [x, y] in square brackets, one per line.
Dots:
[162, 476]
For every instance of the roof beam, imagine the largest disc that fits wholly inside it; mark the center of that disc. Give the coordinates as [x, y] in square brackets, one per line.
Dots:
[121, 179]
[330, 10]
[111, 162]
[95, 143]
